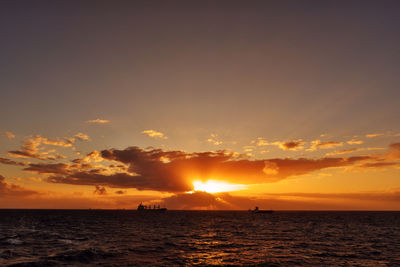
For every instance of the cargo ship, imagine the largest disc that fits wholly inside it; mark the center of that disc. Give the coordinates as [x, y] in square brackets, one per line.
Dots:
[257, 210]
[142, 207]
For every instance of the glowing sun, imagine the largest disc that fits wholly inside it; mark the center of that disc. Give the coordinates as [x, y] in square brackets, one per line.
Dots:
[212, 186]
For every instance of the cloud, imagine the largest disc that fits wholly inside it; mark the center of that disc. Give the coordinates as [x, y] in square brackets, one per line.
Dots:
[12, 190]
[284, 145]
[56, 168]
[31, 147]
[154, 134]
[344, 151]
[196, 201]
[117, 180]
[262, 142]
[100, 190]
[355, 142]
[351, 150]
[93, 156]
[373, 135]
[65, 142]
[82, 137]
[174, 171]
[9, 135]
[12, 162]
[248, 148]
[98, 121]
[213, 139]
[317, 144]
[292, 145]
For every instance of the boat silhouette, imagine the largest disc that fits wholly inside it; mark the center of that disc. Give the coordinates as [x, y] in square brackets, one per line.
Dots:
[145, 208]
[257, 210]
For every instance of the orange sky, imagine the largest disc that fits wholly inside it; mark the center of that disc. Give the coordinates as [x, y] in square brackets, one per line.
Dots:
[200, 105]
[51, 173]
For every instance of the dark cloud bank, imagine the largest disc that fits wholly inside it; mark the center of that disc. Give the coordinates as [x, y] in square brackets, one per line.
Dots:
[174, 171]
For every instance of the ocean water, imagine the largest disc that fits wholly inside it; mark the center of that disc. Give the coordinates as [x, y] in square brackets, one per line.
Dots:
[175, 238]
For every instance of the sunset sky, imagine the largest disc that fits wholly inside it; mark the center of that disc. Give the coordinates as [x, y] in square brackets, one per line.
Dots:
[284, 105]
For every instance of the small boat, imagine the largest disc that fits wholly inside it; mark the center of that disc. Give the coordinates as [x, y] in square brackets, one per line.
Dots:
[257, 210]
[142, 207]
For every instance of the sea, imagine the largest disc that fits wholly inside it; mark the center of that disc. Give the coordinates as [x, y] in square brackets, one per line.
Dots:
[204, 238]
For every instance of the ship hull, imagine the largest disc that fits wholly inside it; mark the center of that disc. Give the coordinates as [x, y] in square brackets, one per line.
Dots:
[153, 210]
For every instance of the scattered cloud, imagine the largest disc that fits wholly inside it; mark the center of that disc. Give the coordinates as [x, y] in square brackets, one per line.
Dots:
[154, 134]
[93, 156]
[292, 145]
[344, 151]
[318, 144]
[248, 148]
[82, 137]
[373, 135]
[284, 145]
[355, 142]
[31, 147]
[9, 135]
[261, 142]
[49, 168]
[351, 150]
[12, 162]
[98, 121]
[214, 140]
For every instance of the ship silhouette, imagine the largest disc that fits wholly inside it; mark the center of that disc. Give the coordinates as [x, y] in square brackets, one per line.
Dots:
[257, 210]
[142, 207]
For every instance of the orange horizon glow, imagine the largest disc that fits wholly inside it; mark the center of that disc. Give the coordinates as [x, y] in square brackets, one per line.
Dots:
[214, 186]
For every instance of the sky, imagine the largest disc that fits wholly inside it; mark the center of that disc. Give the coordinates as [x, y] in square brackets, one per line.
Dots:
[285, 105]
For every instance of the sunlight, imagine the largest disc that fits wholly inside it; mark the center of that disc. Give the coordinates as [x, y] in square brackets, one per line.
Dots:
[212, 186]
